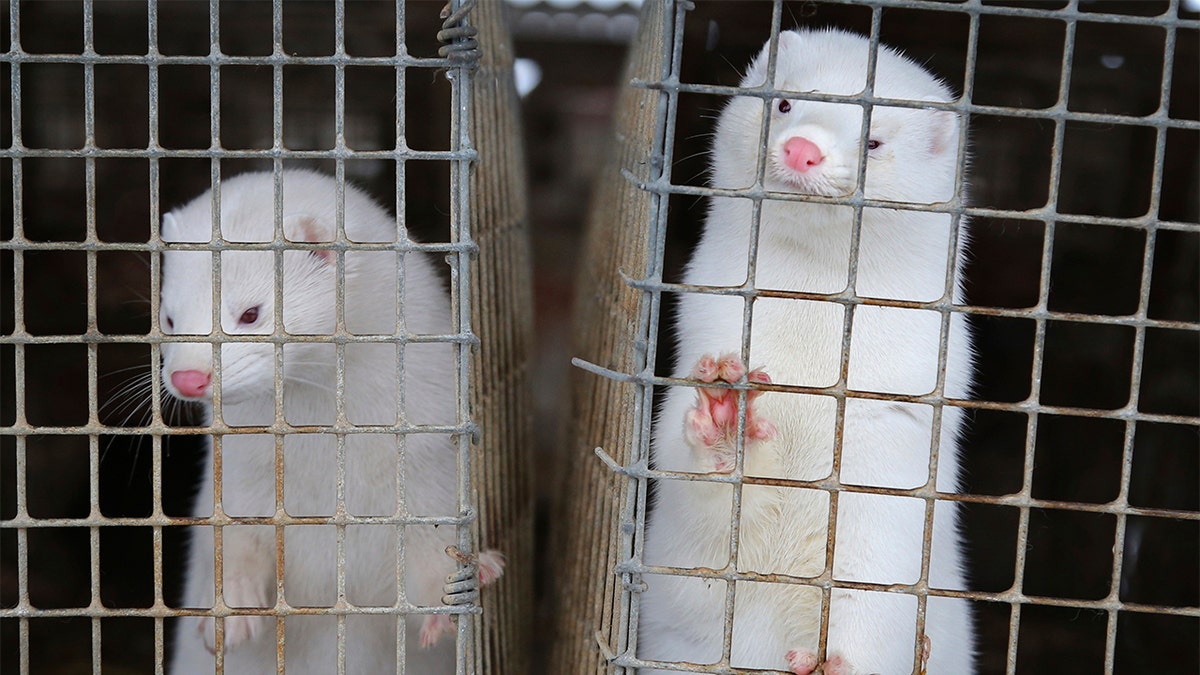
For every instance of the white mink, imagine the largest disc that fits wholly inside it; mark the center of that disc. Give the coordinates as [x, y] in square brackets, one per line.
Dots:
[814, 148]
[247, 397]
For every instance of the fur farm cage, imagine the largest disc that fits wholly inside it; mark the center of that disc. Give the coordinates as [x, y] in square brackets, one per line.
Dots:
[1079, 501]
[120, 112]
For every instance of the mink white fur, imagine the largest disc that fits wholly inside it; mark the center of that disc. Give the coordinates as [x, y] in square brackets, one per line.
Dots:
[902, 255]
[248, 397]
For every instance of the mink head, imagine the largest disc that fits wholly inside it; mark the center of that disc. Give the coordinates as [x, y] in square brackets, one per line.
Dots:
[247, 295]
[815, 147]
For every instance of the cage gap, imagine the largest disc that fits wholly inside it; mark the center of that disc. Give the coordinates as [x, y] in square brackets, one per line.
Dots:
[1088, 187]
[1180, 176]
[246, 96]
[121, 89]
[57, 216]
[1069, 554]
[1060, 440]
[308, 107]
[115, 655]
[1162, 449]
[906, 29]
[1096, 269]
[1061, 635]
[1135, 628]
[308, 28]
[1184, 71]
[245, 30]
[1087, 365]
[1117, 69]
[370, 114]
[1017, 63]
[366, 33]
[123, 206]
[120, 27]
[1019, 151]
[183, 94]
[1161, 548]
[1165, 387]
[1127, 8]
[126, 556]
[183, 28]
[65, 641]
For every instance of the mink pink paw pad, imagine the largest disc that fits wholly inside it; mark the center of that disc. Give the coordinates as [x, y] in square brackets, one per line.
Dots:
[805, 662]
[433, 628]
[801, 661]
[491, 566]
[836, 665]
[712, 422]
[490, 569]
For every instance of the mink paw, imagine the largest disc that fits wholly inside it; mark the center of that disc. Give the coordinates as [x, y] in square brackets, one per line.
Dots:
[805, 662]
[491, 566]
[462, 587]
[801, 661]
[433, 628]
[239, 591]
[711, 424]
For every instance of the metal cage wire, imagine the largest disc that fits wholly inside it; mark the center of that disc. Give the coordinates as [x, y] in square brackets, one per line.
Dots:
[630, 568]
[458, 253]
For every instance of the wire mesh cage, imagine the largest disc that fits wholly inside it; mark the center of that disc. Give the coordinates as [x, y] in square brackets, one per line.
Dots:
[123, 112]
[1077, 497]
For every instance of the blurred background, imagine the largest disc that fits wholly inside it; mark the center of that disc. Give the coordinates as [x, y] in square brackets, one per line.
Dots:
[571, 58]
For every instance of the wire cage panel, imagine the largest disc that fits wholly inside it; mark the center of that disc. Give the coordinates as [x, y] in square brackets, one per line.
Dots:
[122, 112]
[1081, 204]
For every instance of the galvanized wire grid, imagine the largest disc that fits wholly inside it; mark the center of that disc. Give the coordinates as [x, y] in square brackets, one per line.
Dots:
[458, 253]
[622, 655]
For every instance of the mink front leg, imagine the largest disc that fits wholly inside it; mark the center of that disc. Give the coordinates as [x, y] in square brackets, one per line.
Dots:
[710, 426]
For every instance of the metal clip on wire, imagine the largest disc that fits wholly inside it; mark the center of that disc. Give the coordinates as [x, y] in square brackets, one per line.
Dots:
[462, 585]
[460, 46]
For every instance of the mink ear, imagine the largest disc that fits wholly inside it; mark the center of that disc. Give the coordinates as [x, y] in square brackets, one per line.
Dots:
[945, 132]
[756, 74]
[174, 232]
[308, 229]
[789, 41]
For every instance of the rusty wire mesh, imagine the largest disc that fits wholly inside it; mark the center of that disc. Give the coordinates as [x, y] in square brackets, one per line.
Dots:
[623, 294]
[120, 111]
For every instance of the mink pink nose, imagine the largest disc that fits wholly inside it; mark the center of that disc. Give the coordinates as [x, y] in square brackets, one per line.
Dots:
[191, 382]
[801, 154]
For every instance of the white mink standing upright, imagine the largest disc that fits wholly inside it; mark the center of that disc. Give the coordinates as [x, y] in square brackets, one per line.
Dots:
[814, 148]
[247, 397]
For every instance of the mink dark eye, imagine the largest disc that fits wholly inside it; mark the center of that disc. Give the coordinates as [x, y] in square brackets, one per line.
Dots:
[873, 144]
[248, 317]
[784, 106]
[170, 324]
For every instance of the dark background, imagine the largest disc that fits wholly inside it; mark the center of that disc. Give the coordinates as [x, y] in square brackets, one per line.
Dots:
[1107, 170]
